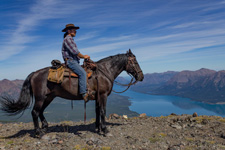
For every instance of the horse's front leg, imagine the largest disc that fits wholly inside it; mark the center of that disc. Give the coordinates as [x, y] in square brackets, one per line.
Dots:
[97, 111]
[103, 113]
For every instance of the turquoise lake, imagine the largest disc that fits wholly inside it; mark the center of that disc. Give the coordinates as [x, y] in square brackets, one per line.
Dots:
[158, 105]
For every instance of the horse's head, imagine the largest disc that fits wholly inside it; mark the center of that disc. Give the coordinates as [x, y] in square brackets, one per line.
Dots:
[133, 67]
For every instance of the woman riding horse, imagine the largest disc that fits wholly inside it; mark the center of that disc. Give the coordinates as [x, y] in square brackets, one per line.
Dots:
[36, 85]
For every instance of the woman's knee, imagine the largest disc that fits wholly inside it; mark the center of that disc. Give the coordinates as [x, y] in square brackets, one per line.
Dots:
[81, 72]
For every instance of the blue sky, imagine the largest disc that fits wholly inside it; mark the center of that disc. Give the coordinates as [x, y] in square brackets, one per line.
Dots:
[165, 35]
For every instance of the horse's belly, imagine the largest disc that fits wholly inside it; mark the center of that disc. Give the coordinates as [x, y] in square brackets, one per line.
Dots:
[68, 89]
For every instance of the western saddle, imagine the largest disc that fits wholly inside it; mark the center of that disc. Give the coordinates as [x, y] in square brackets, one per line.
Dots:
[59, 70]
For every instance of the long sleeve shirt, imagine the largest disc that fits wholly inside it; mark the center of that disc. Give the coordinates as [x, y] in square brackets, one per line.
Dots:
[69, 49]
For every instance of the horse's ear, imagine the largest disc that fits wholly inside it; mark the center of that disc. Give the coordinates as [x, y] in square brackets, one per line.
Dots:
[129, 53]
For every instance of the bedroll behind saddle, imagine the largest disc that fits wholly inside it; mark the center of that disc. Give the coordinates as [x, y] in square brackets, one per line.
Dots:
[59, 71]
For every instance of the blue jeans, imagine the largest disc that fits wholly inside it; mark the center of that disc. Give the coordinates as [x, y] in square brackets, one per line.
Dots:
[82, 80]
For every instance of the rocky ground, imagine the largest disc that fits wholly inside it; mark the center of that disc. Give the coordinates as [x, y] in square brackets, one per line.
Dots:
[140, 133]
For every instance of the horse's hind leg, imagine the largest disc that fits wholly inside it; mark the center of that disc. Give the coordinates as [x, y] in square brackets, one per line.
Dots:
[35, 114]
[44, 122]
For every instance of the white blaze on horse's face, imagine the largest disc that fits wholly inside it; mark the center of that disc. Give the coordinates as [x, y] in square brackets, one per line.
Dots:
[133, 67]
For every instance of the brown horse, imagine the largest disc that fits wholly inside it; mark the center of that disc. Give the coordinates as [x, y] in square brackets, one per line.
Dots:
[36, 85]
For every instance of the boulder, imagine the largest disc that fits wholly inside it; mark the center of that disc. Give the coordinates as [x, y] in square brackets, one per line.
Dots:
[143, 115]
[114, 116]
[173, 114]
[125, 117]
[195, 114]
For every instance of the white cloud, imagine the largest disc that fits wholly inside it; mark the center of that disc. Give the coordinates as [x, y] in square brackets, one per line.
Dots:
[87, 36]
[158, 46]
[119, 38]
[40, 11]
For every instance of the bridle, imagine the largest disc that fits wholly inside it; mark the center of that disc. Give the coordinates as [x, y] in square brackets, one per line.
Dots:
[133, 64]
[130, 64]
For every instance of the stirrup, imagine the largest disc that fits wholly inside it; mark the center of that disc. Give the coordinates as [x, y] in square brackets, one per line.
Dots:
[85, 97]
[91, 94]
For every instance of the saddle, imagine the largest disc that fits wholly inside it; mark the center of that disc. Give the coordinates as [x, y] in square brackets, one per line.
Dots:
[59, 71]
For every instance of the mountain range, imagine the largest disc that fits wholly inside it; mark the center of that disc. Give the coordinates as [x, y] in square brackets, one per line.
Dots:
[11, 88]
[153, 81]
[203, 85]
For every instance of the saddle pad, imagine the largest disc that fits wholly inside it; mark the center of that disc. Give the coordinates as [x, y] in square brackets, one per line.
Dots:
[68, 72]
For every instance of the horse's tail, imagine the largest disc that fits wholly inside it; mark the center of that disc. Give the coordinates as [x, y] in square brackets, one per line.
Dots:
[13, 107]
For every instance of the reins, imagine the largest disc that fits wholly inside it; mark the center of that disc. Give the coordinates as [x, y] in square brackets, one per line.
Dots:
[128, 85]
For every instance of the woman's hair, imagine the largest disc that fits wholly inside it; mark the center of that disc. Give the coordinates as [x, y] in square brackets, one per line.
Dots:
[65, 34]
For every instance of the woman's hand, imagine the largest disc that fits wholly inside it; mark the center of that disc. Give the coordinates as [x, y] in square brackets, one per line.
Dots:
[83, 56]
[86, 57]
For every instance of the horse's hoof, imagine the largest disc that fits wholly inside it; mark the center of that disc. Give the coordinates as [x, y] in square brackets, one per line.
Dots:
[105, 130]
[39, 133]
[44, 130]
[97, 129]
[38, 136]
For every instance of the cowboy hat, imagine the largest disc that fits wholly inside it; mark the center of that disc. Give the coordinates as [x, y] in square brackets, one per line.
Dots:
[70, 26]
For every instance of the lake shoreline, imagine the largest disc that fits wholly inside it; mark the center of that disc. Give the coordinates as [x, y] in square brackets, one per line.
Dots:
[216, 103]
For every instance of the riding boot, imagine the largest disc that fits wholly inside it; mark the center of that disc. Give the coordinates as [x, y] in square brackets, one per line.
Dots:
[89, 95]
[85, 97]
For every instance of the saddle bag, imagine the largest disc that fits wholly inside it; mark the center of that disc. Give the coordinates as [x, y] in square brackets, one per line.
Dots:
[56, 72]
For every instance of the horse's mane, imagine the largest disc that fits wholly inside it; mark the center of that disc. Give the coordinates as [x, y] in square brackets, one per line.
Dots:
[115, 58]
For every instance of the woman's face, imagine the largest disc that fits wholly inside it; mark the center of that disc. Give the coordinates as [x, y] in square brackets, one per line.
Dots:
[72, 32]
